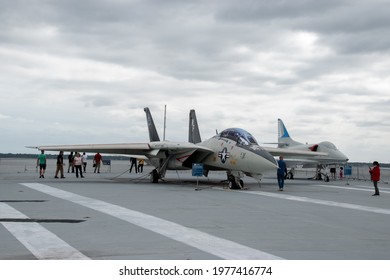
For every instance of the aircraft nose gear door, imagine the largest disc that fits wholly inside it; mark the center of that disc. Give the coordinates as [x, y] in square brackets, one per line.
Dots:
[234, 178]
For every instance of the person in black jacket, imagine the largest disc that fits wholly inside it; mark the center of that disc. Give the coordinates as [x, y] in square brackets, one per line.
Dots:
[60, 165]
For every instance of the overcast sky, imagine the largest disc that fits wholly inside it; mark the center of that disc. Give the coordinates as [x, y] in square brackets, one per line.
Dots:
[82, 71]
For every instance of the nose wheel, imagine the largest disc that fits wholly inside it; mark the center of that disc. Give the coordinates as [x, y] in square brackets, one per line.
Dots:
[235, 183]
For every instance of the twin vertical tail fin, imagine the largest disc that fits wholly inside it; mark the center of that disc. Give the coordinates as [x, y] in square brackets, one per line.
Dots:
[153, 135]
[284, 139]
[193, 131]
[193, 134]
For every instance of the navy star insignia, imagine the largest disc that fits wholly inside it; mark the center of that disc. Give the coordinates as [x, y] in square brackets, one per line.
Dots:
[223, 155]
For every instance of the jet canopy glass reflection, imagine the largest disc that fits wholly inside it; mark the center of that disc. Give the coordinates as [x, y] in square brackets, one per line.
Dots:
[241, 136]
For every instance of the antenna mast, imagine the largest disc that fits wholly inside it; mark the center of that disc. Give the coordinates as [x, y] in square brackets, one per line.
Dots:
[165, 121]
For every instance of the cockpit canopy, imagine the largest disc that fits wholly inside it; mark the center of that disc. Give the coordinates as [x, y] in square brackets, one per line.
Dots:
[241, 136]
[328, 145]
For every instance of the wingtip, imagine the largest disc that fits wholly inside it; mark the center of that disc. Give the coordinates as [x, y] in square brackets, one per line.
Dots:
[32, 147]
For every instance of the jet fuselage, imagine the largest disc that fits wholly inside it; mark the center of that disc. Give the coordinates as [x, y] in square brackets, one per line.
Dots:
[334, 156]
[233, 149]
[230, 155]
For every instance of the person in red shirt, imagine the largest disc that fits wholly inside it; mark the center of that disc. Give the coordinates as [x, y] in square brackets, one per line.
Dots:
[96, 161]
[375, 172]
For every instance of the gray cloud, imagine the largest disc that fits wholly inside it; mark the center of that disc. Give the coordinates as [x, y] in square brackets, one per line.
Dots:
[91, 66]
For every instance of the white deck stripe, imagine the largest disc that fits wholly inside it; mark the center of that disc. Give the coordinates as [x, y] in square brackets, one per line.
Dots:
[318, 201]
[42, 243]
[363, 188]
[216, 246]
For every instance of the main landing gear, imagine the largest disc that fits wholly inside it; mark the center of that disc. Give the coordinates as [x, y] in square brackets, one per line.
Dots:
[154, 176]
[235, 182]
[159, 172]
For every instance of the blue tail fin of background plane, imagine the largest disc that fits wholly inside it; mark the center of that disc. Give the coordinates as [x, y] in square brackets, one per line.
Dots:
[284, 139]
[282, 131]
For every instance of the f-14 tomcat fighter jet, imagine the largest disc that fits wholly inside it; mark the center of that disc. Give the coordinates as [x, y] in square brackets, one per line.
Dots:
[234, 150]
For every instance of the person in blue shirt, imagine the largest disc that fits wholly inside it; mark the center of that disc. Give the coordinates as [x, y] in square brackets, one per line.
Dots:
[282, 171]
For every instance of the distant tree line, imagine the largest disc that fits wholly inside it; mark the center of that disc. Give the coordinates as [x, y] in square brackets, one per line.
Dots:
[54, 156]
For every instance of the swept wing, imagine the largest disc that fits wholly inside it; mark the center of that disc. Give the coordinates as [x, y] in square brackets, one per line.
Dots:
[150, 150]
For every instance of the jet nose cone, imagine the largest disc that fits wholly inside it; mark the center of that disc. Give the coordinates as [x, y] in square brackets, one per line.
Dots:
[259, 160]
[270, 159]
[339, 156]
[344, 157]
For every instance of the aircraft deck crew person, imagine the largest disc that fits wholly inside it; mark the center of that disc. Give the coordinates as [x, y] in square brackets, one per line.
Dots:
[96, 161]
[78, 163]
[141, 162]
[60, 165]
[41, 162]
[281, 173]
[375, 172]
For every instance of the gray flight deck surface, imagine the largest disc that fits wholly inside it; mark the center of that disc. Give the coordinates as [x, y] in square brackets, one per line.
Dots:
[117, 215]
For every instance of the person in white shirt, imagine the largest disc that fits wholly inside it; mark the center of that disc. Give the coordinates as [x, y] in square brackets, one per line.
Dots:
[85, 157]
[78, 163]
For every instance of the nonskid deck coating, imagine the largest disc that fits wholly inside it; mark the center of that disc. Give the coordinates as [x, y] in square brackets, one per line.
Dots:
[309, 220]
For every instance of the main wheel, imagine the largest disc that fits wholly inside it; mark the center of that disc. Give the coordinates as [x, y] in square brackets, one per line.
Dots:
[233, 185]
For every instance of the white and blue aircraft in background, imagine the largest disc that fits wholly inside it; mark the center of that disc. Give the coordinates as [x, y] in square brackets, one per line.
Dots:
[328, 153]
